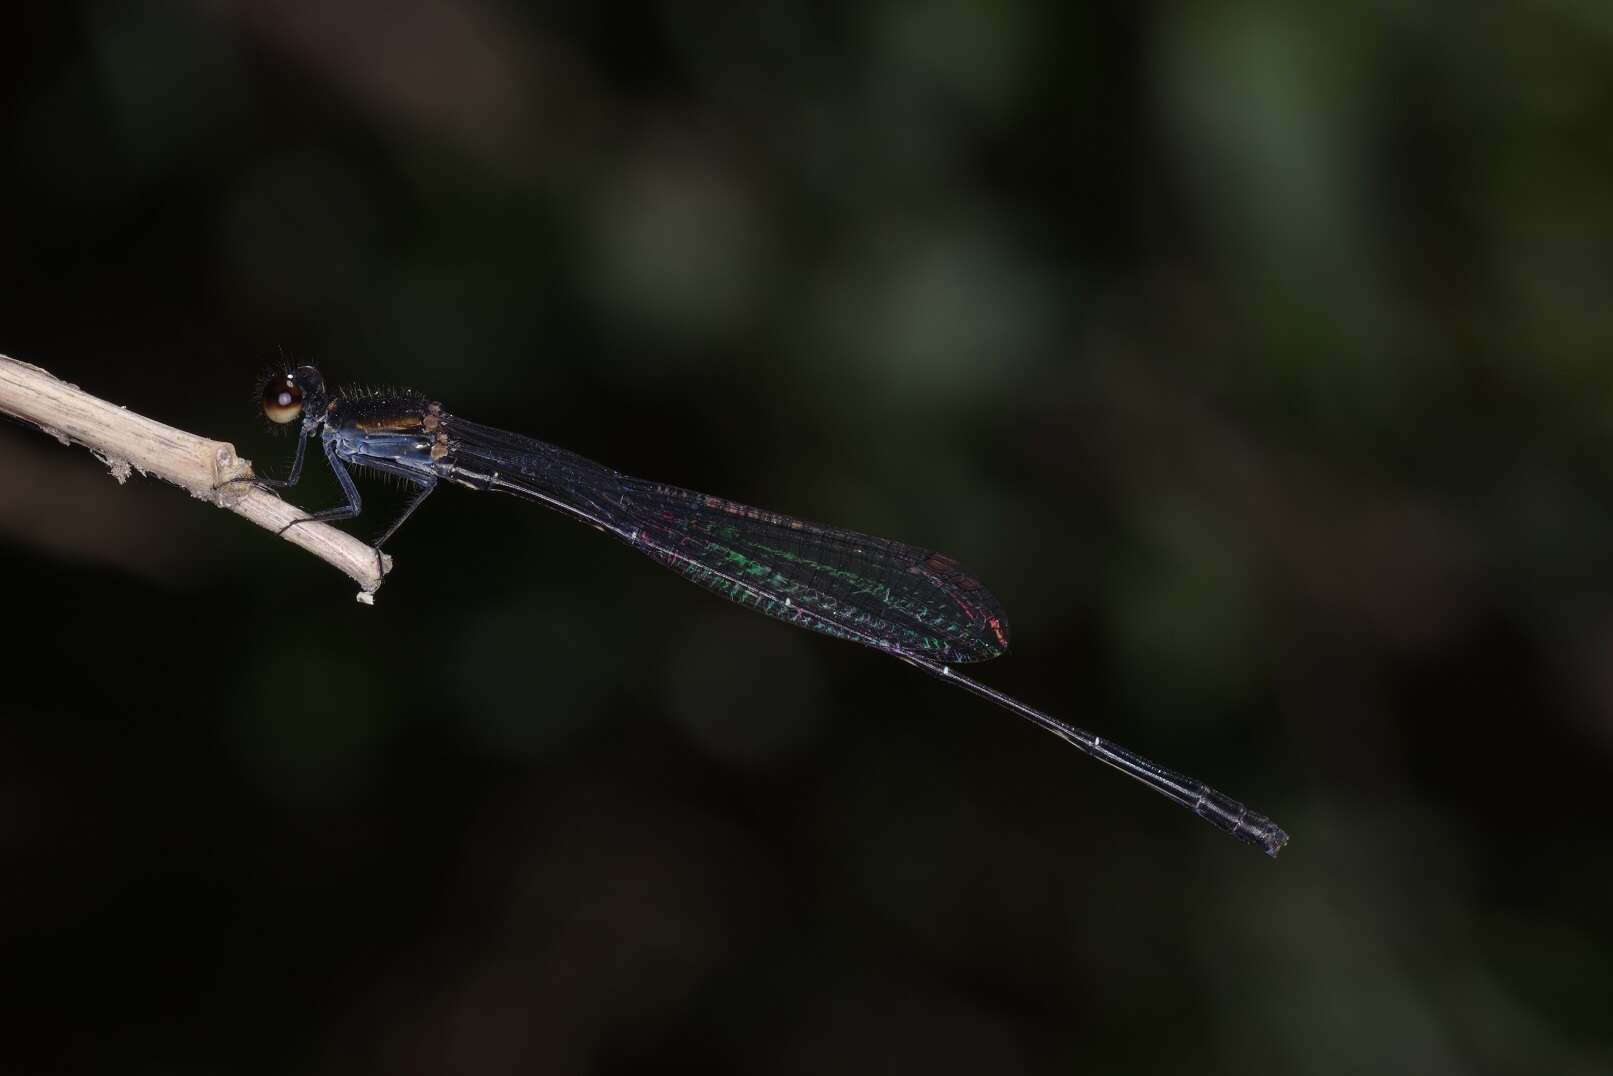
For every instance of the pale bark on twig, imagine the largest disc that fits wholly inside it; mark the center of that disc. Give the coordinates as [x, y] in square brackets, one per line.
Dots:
[209, 470]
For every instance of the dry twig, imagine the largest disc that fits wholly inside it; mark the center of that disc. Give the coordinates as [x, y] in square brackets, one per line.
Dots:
[210, 470]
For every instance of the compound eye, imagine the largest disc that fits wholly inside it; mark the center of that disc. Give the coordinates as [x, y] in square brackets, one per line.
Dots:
[282, 400]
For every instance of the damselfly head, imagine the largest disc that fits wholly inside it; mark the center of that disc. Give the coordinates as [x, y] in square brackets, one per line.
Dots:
[285, 395]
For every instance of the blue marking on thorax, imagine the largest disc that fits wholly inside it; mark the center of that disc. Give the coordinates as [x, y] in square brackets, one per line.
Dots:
[405, 451]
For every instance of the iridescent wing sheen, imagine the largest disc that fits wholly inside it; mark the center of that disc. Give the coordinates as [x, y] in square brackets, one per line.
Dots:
[873, 591]
[853, 586]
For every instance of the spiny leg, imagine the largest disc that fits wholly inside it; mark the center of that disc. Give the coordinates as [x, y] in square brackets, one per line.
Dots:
[408, 511]
[296, 467]
[342, 511]
[276, 483]
[426, 488]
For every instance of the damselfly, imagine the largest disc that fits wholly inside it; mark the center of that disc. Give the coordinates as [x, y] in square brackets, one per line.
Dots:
[914, 604]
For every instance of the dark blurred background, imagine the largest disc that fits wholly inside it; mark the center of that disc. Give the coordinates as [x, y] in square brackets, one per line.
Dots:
[1256, 357]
